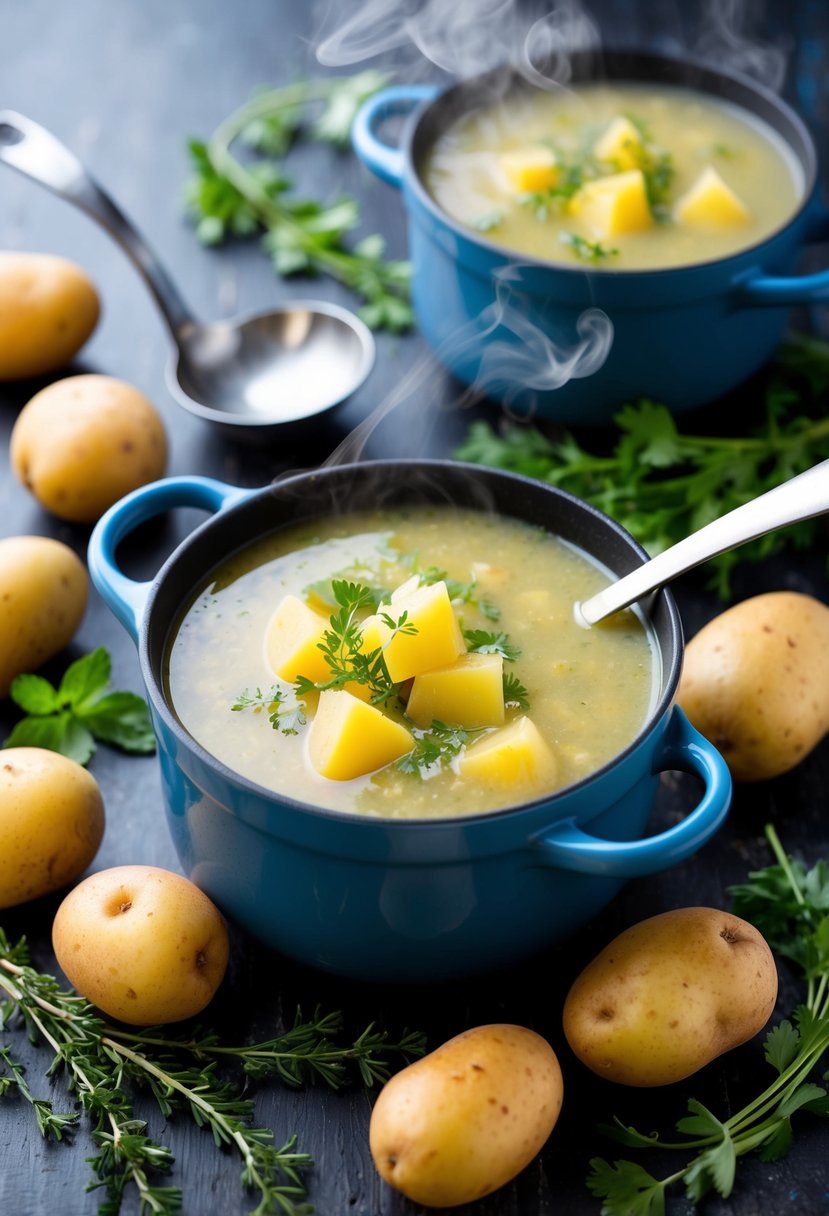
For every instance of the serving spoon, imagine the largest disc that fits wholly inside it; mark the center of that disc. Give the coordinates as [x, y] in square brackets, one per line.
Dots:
[799, 498]
[247, 373]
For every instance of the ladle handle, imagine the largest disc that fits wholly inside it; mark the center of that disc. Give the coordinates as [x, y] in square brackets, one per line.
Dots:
[39, 155]
[802, 497]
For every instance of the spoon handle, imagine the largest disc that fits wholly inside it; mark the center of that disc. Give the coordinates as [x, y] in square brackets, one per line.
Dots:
[802, 497]
[37, 154]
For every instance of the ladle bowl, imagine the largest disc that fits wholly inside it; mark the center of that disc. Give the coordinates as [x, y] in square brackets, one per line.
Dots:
[249, 375]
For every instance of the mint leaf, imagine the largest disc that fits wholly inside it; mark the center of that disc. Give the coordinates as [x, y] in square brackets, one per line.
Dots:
[85, 678]
[77, 742]
[121, 718]
[34, 694]
[40, 732]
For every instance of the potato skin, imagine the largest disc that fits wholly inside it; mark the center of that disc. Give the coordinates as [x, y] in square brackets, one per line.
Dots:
[43, 592]
[51, 823]
[756, 682]
[82, 443]
[144, 944]
[669, 995]
[467, 1118]
[48, 309]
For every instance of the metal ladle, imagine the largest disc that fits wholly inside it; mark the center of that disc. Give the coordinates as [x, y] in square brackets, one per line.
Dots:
[252, 373]
[799, 498]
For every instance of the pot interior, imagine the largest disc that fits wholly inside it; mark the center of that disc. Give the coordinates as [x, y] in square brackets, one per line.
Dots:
[338, 491]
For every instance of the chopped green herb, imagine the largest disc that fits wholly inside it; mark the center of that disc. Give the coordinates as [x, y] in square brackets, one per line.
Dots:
[482, 642]
[588, 251]
[434, 748]
[514, 692]
[285, 719]
[485, 223]
[466, 593]
[82, 709]
[231, 198]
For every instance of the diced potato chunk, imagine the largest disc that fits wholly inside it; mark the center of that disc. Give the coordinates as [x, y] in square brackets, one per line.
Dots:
[438, 639]
[530, 169]
[348, 738]
[615, 204]
[468, 693]
[516, 755]
[620, 145]
[292, 641]
[711, 203]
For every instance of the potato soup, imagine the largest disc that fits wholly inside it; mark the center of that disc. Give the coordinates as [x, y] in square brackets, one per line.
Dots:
[622, 176]
[422, 663]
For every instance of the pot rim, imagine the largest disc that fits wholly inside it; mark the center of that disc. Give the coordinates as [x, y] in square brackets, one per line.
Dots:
[684, 66]
[669, 655]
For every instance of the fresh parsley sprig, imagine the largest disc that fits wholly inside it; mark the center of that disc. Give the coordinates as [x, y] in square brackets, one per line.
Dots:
[662, 483]
[434, 748]
[586, 250]
[102, 1063]
[82, 709]
[228, 197]
[286, 719]
[790, 906]
[481, 641]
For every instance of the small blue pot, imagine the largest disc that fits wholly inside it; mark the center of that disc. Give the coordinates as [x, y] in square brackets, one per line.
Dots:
[682, 336]
[401, 899]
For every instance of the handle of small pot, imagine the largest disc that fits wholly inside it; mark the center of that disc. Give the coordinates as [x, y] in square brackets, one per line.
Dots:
[386, 162]
[565, 845]
[769, 291]
[125, 596]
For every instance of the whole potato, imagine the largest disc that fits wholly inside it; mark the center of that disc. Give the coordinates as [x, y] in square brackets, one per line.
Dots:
[467, 1118]
[143, 944]
[51, 822]
[82, 443]
[670, 994]
[48, 309]
[756, 682]
[43, 593]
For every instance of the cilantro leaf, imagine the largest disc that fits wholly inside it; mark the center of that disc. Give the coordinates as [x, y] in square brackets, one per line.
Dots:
[782, 1045]
[514, 691]
[480, 641]
[626, 1188]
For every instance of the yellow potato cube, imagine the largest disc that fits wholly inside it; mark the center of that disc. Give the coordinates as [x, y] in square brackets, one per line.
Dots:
[468, 693]
[516, 755]
[711, 203]
[348, 738]
[292, 641]
[613, 205]
[438, 639]
[620, 145]
[530, 169]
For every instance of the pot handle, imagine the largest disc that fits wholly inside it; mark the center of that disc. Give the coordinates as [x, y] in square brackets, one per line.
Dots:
[125, 596]
[684, 748]
[386, 162]
[768, 291]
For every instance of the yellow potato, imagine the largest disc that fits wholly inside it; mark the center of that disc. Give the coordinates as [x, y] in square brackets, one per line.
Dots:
[43, 593]
[670, 994]
[756, 682]
[48, 309]
[51, 823]
[82, 443]
[143, 944]
[467, 1118]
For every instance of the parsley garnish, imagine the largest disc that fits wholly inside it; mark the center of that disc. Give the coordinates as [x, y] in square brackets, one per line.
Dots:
[68, 719]
[790, 906]
[434, 748]
[514, 691]
[588, 251]
[231, 198]
[479, 641]
[285, 719]
[466, 593]
[661, 483]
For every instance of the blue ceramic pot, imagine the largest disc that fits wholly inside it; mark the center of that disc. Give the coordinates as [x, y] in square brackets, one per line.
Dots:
[401, 899]
[683, 336]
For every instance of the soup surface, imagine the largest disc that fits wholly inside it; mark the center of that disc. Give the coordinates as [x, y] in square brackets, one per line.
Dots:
[620, 177]
[512, 589]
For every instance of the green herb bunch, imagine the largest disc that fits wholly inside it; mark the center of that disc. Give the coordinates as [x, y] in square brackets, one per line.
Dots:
[662, 483]
[103, 1063]
[229, 197]
[790, 906]
[82, 709]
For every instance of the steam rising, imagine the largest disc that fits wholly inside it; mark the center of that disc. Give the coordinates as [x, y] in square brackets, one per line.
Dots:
[725, 43]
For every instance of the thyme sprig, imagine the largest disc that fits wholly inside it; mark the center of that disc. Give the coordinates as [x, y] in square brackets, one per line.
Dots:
[790, 905]
[100, 1062]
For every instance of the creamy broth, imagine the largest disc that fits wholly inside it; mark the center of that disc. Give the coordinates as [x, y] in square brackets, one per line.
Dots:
[465, 173]
[589, 691]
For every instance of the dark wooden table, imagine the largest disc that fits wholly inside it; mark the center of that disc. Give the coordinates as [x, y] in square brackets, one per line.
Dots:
[124, 85]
